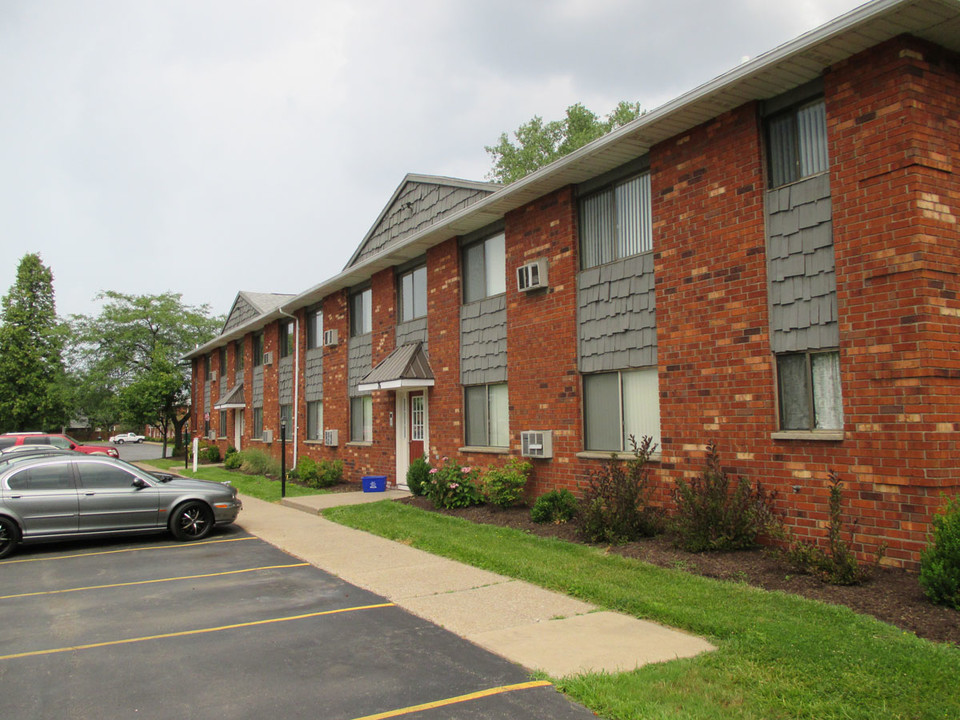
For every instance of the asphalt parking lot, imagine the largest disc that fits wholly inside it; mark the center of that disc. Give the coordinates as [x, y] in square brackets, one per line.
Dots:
[232, 627]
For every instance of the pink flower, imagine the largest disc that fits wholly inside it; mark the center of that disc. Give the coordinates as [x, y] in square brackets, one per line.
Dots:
[433, 471]
[454, 486]
[466, 470]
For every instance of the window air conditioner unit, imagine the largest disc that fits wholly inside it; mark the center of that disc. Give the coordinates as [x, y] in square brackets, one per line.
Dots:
[330, 338]
[268, 358]
[532, 276]
[331, 438]
[536, 443]
[212, 435]
[267, 436]
[213, 376]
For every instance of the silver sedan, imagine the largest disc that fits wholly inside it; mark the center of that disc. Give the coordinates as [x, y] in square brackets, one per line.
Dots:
[61, 496]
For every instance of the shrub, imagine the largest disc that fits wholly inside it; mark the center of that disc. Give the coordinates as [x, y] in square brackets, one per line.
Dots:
[556, 506]
[452, 486]
[940, 561]
[230, 451]
[306, 470]
[503, 486]
[257, 462]
[615, 506]
[836, 565]
[233, 460]
[211, 454]
[418, 474]
[715, 514]
[329, 472]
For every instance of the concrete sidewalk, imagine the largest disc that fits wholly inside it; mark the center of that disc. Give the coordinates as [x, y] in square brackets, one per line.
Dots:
[536, 628]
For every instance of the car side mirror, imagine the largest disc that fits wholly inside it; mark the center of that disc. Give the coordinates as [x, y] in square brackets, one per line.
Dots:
[140, 483]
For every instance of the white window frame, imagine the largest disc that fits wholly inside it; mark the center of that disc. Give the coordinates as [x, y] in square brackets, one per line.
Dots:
[412, 293]
[315, 420]
[804, 126]
[361, 312]
[824, 405]
[616, 222]
[314, 329]
[362, 431]
[490, 254]
[637, 415]
[495, 404]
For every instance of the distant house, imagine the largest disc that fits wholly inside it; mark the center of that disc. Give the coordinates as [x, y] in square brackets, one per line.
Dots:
[769, 262]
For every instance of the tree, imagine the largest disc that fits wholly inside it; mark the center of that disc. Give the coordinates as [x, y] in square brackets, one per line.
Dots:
[31, 345]
[538, 143]
[129, 357]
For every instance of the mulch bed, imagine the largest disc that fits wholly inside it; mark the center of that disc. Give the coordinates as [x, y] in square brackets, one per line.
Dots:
[891, 595]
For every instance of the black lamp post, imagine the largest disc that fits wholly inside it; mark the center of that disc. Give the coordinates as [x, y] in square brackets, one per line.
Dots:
[283, 457]
[186, 446]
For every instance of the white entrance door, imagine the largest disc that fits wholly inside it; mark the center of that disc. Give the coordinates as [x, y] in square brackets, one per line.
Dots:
[237, 428]
[412, 429]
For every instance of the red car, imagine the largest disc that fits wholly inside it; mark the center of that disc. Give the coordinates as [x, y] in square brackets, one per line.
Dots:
[57, 440]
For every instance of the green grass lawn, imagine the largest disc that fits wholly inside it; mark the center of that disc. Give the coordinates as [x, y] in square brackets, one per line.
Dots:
[779, 655]
[258, 486]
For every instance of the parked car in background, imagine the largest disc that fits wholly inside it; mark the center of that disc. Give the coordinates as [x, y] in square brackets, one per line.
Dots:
[70, 495]
[19, 453]
[65, 442]
[128, 437]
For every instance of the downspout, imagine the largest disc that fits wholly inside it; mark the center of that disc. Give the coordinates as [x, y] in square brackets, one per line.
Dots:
[296, 381]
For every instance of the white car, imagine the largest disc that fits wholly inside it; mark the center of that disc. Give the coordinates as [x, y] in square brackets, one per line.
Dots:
[130, 437]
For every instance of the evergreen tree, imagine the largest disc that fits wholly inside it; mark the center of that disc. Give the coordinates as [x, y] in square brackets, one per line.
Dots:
[31, 345]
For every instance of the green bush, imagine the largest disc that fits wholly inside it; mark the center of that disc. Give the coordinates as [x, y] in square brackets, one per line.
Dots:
[306, 470]
[940, 561]
[503, 486]
[212, 454]
[417, 475]
[616, 501]
[836, 565]
[715, 514]
[258, 462]
[556, 506]
[233, 461]
[329, 472]
[452, 486]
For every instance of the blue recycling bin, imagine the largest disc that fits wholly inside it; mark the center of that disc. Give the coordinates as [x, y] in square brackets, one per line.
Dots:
[374, 483]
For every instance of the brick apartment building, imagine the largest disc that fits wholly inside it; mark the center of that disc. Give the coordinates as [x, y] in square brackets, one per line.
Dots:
[770, 262]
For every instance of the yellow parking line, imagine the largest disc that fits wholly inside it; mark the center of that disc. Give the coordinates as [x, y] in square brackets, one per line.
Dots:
[454, 700]
[126, 550]
[148, 582]
[186, 633]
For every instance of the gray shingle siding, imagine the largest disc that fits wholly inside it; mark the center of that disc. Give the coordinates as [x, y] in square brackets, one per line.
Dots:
[238, 377]
[285, 380]
[617, 315]
[800, 267]
[256, 396]
[411, 332]
[242, 311]
[483, 341]
[223, 384]
[417, 206]
[313, 375]
[359, 361]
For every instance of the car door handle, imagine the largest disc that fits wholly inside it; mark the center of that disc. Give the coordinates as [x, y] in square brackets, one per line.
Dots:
[89, 494]
[16, 497]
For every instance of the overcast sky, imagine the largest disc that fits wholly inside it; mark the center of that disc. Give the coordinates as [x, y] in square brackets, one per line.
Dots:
[211, 146]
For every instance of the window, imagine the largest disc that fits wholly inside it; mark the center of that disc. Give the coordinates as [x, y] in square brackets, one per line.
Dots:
[809, 390]
[104, 477]
[258, 350]
[285, 339]
[223, 361]
[208, 367]
[223, 423]
[44, 477]
[238, 355]
[206, 428]
[485, 269]
[620, 404]
[315, 420]
[257, 422]
[797, 143]
[361, 419]
[286, 419]
[413, 294]
[361, 313]
[314, 329]
[616, 222]
[487, 416]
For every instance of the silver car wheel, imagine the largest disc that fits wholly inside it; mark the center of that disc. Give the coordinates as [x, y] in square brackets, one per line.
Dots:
[192, 521]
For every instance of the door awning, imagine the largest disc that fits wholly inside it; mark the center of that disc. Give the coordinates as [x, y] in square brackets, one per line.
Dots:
[233, 400]
[406, 367]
